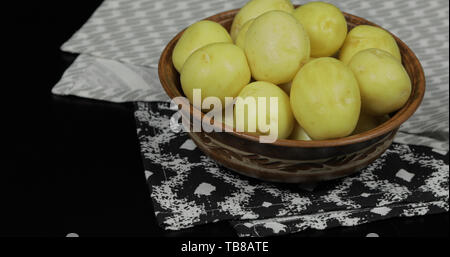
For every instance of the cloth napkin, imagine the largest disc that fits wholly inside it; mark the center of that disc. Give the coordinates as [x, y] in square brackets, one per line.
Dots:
[124, 39]
[188, 188]
[119, 48]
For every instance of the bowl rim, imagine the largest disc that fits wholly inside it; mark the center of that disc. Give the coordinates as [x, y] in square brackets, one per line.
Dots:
[403, 114]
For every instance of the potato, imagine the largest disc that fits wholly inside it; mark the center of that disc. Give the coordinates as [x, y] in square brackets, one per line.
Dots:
[255, 8]
[283, 118]
[325, 99]
[364, 37]
[218, 69]
[368, 122]
[384, 83]
[326, 27]
[287, 86]
[196, 36]
[276, 46]
[299, 133]
[240, 40]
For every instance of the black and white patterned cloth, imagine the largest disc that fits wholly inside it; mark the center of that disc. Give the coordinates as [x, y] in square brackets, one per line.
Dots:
[188, 188]
[119, 48]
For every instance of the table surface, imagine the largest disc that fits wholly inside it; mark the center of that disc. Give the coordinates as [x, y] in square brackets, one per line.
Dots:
[74, 164]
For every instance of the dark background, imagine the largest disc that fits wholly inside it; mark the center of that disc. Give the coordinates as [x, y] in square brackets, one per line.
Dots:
[72, 164]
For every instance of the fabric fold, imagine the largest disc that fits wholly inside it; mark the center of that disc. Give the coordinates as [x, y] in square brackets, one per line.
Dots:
[188, 188]
[119, 49]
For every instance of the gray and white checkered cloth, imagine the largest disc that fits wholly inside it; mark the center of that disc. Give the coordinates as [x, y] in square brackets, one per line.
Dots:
[120, 45]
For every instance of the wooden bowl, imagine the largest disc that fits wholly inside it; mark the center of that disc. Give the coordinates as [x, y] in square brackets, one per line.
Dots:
[292, 161]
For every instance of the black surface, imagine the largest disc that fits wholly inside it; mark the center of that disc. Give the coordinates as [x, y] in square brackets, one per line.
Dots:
[72, 164]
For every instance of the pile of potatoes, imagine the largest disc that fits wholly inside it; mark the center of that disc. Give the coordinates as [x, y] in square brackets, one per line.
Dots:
[330, 82]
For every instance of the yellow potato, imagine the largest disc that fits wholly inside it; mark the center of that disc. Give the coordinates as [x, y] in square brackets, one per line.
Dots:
[326, 27]
[240, 40]
[325, 99]
[364, 37]
[196, 36]
[284, 118]
[383, 81]
[276, 46]
[255, 8]
[367, 122]
[299, 133]
[218, 69]
[287, 86]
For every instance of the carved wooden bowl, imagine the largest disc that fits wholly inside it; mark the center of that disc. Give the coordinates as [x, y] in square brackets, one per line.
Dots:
[292, 161]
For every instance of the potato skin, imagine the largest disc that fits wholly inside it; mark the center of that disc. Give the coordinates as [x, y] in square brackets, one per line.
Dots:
[364, 37]
[383, 81]
[326, 27]
[255, 8]
[325, 99]
[287, 86]
[368, 122]
[285, 117]
[218, 69]
[240, 40]
[196, 36]
[299, 133]
[276, 46]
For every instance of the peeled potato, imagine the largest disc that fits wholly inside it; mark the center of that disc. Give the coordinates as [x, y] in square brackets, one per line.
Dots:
[383, 81]
[364, 37]
[218, 69]
[283, 118]
[367, 122]
[325, 99]
[326, 27]
[276, 46]
[255, 8]
[299, 133]
[240, 40]
[196, 36]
